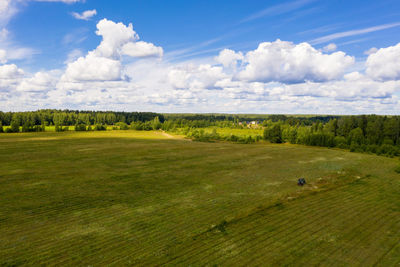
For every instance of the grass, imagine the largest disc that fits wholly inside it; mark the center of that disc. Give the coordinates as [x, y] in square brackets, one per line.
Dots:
[127, 197]
[239, 132]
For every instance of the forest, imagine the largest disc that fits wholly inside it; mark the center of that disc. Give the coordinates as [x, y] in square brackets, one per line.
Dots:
[361, 133]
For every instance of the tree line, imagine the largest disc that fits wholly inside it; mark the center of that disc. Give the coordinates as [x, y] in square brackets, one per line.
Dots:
[364, 133]
[37, 120]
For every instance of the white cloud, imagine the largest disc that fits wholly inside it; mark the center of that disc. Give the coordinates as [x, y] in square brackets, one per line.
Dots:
[93, 68]
[7, 10]
[275, 77]
[340, 35]
[105, 62]
[114, 35]
[10, 71]
[329, 48]
[86, 15]
[141, 49]
[10, 77]
[195, 78]
[39, 82]
[384, 64]
[289, 63]
[229, 58]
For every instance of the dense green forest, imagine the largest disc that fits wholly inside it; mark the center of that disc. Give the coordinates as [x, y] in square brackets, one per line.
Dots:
[363, 133]
[37, 120]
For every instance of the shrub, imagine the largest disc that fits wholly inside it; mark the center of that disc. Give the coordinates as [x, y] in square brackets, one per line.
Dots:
[372, 148]
[122, 125]
[388, 150]
[100, 127]
[80, 127]
[273, 134]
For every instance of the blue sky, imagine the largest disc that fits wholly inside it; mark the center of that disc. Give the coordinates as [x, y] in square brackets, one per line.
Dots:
[42, 37]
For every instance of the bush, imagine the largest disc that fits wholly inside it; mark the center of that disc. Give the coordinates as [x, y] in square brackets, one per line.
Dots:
[122, 125]
[100, 127]
[372, 148]
[273, 134]
[388, 150]
[80, 127]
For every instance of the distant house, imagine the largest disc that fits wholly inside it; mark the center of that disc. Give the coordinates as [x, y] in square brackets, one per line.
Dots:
[250, 124]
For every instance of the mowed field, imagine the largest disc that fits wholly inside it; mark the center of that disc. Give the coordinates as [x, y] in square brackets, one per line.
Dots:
[147, 198]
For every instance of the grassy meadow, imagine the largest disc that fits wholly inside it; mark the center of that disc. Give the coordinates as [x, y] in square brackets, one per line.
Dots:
[150, 198]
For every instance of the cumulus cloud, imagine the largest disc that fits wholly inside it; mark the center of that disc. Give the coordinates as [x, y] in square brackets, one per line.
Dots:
[86, 15]
[10, 71]
[84, 70]
[229, 58]
[384, 64]
[141, 49]
[114, 35]
[93, 68]
[105, 62]
[39, 82]
[193, 77]
[10, 77]
[275, 77]
[290, 63]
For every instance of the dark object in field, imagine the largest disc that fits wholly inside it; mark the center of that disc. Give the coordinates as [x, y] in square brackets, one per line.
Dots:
[301, 181]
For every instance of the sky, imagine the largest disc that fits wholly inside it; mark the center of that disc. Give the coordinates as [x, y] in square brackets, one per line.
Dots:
[201, 56]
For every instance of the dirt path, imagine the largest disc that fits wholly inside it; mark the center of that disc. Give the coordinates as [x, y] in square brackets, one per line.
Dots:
[168, 135]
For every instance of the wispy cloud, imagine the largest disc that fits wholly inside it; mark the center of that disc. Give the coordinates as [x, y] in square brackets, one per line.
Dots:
[338, 35]
[86, 15]
[278, 10]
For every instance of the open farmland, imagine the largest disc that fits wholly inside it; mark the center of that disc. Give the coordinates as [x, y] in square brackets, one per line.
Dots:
[147, 198]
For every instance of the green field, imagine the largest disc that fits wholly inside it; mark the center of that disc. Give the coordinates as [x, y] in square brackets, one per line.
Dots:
[148, 198]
